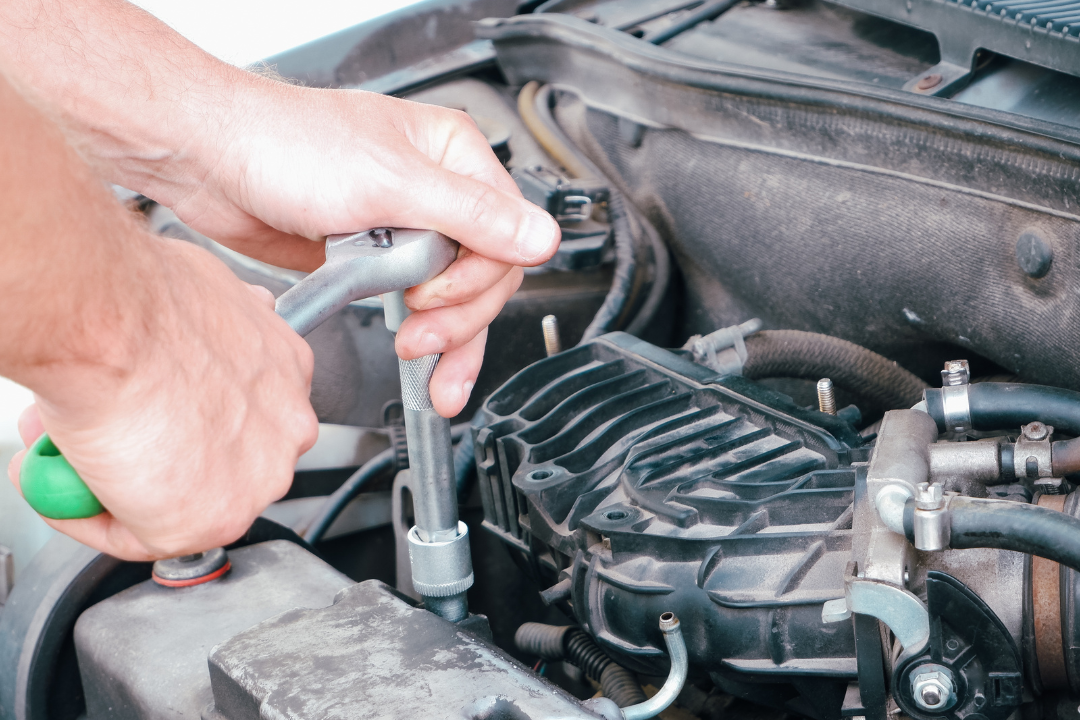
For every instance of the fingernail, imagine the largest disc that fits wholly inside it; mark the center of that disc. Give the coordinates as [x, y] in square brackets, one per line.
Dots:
[536, 236]
[466, 390]
[429, 344]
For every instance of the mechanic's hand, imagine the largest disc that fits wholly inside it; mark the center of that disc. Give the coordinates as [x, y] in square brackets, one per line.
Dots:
[301, 163]
[187, 448]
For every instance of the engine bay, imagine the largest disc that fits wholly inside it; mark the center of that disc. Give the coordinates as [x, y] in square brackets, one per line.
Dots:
[787, 428]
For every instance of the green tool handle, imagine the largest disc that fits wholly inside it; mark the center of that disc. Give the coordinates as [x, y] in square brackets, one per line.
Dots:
[52, 487]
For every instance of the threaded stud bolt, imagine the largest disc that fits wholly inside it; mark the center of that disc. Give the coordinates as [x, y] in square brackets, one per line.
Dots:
[550, 324]
[826, 397]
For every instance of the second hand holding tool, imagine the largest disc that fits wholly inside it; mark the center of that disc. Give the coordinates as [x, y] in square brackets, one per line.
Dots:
[358, 265]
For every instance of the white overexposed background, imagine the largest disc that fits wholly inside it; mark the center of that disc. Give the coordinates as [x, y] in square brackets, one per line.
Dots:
[240, 32]
[246, 31]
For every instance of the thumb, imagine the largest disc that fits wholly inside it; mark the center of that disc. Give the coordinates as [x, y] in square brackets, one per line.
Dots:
[488, 221]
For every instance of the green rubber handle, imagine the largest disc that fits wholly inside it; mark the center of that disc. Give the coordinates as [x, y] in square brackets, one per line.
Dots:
[51, 485]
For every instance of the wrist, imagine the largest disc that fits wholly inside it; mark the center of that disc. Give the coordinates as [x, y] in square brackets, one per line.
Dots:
[178, 150]
[99, 333]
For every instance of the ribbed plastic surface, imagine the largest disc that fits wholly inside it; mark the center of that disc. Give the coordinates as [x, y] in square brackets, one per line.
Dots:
[1061, 17]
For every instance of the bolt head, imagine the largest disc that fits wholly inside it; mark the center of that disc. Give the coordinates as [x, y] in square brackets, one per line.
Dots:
[929, 496]
[1036, 431]
[932, 687]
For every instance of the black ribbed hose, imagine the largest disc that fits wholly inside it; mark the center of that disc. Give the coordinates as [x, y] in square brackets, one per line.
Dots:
[1007, 525]
[812, 356]
[554, 642]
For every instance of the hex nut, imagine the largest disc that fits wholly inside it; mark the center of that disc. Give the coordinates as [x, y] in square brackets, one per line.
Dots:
[932, 687]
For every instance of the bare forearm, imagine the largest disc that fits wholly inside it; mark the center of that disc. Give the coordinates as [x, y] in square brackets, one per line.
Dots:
[140, 101]
[71, 255]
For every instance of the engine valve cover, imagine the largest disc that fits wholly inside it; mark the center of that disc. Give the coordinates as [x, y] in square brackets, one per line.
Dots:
[653, 484]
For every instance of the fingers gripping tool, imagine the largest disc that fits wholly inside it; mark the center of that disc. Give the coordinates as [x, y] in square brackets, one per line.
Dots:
[359, 265]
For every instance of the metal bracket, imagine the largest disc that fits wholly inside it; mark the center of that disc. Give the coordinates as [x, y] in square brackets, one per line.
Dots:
[903, 612]
[723, 350]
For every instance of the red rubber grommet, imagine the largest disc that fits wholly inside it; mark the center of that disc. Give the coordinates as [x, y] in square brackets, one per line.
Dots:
[193, 581]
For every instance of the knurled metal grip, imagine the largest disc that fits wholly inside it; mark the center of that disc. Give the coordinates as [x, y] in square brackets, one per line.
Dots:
[441, 569]
[415, 376]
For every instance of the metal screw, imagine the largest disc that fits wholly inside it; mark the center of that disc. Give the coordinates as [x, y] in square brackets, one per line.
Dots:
[956, 372]
[929, 496]
[550, 324]
[932, 687]
[826, 398]
[1036, 431]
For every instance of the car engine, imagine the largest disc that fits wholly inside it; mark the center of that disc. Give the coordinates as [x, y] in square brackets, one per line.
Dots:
[789, 427]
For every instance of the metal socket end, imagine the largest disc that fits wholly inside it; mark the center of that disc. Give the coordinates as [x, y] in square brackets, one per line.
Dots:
[826, 396]
[441, 569]
[550, 326]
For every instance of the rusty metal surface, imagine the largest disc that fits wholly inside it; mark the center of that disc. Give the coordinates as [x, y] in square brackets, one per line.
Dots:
[1046, 602]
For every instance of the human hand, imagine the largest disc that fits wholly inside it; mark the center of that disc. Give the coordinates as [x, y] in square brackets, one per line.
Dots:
[200, 432]
[297, 164]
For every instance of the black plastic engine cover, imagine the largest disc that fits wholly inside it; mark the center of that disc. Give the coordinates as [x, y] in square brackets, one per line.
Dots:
[656, 485]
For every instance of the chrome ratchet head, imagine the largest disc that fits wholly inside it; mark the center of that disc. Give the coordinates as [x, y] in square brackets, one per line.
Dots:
[362, 265]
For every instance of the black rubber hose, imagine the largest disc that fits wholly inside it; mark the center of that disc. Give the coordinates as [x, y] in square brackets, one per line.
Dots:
[812, 356]
[1008, 525]
[368, 472]
[553, 642]
[341, 497]
[1007, 406]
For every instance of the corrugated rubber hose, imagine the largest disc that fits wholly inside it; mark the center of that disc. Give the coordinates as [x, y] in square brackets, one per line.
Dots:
[554, 642]
[811, 356]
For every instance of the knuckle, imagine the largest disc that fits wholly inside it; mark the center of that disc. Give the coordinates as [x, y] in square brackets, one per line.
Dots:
[482, 206]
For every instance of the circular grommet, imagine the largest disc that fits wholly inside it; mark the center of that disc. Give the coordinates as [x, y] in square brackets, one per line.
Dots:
[189, 570]
[1034, 255]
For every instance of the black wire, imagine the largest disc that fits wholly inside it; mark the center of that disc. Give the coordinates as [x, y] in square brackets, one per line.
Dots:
[341, 497]
[616, 305]
[352, 487]
[708, 11]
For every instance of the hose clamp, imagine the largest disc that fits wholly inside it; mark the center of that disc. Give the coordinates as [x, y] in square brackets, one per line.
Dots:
[442, 568]
[957, 408]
